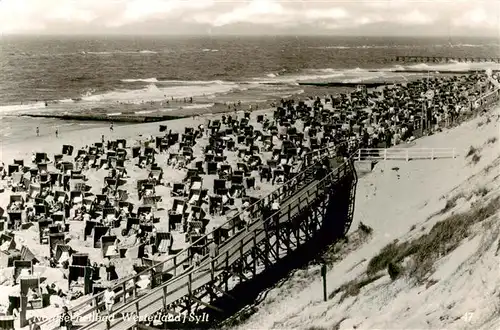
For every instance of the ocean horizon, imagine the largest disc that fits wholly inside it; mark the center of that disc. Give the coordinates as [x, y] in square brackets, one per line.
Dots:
[94, 68]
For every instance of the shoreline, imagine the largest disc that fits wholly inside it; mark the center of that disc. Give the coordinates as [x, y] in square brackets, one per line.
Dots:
[10, 150]
[168, 109]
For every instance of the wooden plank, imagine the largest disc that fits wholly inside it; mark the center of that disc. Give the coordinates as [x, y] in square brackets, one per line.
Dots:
[145, 327]
[207, 305]
[223, 292]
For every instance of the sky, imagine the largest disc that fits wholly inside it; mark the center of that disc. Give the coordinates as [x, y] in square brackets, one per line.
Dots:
[252, 17]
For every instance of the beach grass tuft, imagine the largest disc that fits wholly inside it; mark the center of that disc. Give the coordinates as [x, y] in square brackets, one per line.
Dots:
[444, 237]
[492, 140]
[365, 229]
[472, 151]
[475, 159]
[353, 288]
[481, 191]
[451, 203]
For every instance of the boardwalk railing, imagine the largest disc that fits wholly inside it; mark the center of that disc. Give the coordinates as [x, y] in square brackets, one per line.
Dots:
[279, 233]
[175, 265]
[405, 153]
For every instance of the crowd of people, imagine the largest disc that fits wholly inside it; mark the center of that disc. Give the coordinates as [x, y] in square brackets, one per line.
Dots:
[218, 163]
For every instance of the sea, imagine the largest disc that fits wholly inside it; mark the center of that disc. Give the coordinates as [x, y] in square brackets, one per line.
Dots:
[78, 73]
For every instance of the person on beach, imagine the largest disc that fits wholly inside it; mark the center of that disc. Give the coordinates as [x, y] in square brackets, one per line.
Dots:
[111, 127]
[37, 131]
[34, 325]
[109, 300]
[57, 132]
[65, 322]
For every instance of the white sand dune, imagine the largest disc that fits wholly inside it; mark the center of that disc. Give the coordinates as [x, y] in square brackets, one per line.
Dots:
[399, 204]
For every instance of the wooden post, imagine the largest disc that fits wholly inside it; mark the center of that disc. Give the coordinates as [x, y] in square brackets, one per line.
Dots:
[359, 154]
[453, 153]
[124, 292]
[432, 154]
[241, 259]
[254, 255]
[175, 265]
[266, 242]
[137, 316]
[385, 154]
[190, 280]
[323, 274]
[165, 297]
[276, 220]
[212, 269]
[407, 155]
[152, 278]
[241, 248]
[135, 287]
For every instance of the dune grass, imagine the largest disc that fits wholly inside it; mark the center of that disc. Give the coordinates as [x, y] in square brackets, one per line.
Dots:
[443, 238]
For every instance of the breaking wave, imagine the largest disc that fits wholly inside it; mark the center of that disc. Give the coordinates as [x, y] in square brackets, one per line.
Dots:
[147, 80]
[119, 52]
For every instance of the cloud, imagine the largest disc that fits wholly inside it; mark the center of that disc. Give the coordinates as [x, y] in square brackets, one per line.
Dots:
[69, 13]
[330, 13]
[316, 15]
[479, 17]
[415, 17]
[273, 12]
[37, 15]
[257, 11]
[141, 10]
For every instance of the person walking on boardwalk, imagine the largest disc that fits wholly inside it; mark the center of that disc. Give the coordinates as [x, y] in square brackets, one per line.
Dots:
[109, 300]
[196, 259]
[213, 251]
[275, 207]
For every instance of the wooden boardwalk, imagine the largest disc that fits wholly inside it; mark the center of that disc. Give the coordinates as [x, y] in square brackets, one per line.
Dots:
[245, 254]
[178, 266]
[229, 252]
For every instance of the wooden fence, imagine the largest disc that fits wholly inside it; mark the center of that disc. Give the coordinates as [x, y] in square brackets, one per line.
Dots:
[405, 153]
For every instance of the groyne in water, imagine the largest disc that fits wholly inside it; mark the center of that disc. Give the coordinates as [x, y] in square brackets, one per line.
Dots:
[440, 59]
[100, 117]
[345, 84]
[446, 72]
